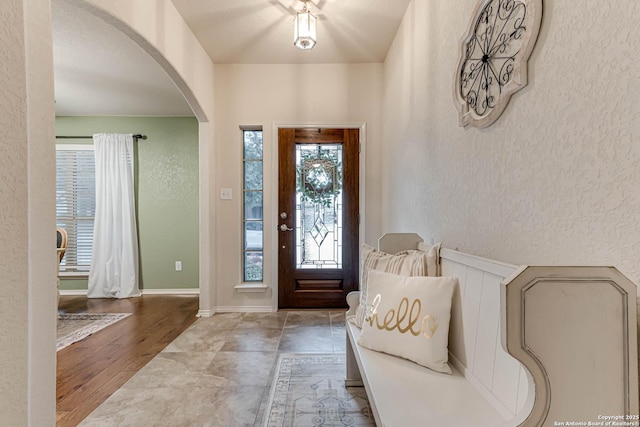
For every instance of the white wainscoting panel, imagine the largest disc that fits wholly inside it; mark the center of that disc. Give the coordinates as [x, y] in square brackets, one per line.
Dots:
[475, 345]
[523, 389]
[488, 328]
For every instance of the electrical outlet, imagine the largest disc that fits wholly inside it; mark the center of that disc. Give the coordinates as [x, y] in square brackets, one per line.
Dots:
[178, 265]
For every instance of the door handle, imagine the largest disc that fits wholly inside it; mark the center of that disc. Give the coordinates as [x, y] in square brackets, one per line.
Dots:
[284, 227]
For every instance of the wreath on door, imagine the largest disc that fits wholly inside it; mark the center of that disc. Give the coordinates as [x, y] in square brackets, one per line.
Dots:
[320, 179]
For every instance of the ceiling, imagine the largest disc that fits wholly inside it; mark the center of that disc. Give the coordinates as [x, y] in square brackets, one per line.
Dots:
[100, 71]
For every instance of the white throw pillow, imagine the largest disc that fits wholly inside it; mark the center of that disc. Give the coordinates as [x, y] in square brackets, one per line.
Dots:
[405, 263]
[409, 317]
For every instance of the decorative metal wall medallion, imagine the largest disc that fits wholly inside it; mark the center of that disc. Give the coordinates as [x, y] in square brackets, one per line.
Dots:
[493, 58]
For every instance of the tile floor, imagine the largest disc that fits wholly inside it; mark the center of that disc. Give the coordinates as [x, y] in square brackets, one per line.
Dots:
[218, 372]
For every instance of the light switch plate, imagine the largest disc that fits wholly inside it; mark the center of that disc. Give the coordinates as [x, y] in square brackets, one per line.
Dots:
[226, 194]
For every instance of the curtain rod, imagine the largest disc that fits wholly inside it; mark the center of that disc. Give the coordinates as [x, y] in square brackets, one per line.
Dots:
[137, 136]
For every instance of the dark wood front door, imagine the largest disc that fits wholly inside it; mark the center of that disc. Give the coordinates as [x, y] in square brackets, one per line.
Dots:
[318, 214]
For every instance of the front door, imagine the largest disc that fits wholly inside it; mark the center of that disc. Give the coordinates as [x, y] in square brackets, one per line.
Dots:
[318, 216]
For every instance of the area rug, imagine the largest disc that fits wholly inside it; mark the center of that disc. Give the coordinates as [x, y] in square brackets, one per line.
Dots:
[308, 390]
[73, 327]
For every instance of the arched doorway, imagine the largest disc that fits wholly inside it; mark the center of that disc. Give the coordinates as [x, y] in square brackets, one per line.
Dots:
[143, 26]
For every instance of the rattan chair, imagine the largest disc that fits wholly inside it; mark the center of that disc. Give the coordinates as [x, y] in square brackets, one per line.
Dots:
[61, 248]
[62, 243]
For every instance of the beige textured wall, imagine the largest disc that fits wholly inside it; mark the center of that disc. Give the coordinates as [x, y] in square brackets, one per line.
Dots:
[27, 218]
[269, 95]
[556, 179]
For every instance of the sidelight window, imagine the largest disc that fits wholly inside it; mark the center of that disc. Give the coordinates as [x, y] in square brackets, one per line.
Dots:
[252, 205]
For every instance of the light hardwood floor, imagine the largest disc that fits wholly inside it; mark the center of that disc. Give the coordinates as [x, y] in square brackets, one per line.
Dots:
[90, 371]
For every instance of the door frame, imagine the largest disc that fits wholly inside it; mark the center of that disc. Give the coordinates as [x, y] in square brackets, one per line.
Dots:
[272, 223]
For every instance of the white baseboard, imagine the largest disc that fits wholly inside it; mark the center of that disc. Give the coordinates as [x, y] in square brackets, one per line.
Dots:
[192, 291]
[73, 292]
[177, 291]
[205, 313]
[236, 309]
[245, 309]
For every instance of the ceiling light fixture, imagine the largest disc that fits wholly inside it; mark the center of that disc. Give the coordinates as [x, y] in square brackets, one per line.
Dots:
[304, 29]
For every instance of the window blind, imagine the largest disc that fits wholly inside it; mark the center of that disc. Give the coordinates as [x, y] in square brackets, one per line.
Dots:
[75, 203]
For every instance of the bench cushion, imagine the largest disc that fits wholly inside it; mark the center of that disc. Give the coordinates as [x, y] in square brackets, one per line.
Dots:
[409, 317]
[409, 395]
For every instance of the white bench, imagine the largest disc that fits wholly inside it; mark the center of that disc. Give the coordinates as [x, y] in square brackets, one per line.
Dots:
[573, 328]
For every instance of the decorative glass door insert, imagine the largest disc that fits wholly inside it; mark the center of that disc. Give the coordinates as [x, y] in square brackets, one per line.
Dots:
[318, 222]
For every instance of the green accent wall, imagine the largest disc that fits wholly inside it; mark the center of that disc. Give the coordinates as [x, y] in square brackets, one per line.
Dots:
[167, 194]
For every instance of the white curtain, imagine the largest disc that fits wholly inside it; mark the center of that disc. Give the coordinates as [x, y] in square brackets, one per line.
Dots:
[114, 264]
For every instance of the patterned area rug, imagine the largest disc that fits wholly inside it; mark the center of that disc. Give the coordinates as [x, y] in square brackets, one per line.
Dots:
[73, 327]
[308, 390]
